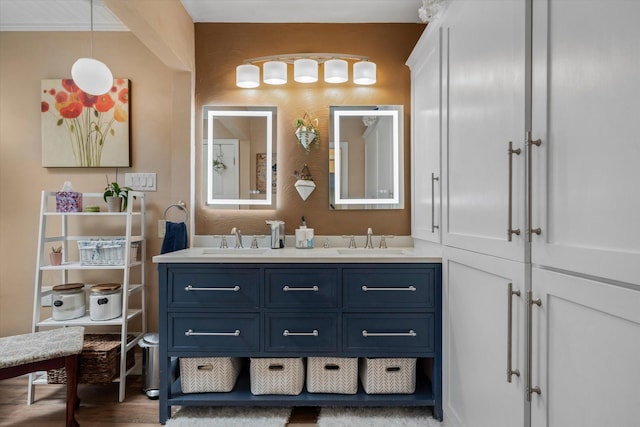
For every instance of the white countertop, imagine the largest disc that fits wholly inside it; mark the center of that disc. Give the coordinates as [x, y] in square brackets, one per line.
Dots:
[292, 255]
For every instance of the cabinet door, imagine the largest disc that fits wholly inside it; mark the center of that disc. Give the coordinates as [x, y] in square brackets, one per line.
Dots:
[426, 138]
[585, 112]
[476, 302]
[485, 110]
[586, 342]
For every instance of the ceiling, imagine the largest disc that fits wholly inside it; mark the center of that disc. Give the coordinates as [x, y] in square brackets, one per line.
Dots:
[74, 15]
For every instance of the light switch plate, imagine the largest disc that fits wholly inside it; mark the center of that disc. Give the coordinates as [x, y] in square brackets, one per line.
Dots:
[140, 181]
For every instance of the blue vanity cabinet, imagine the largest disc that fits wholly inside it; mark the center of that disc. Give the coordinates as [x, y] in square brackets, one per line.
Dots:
[300, 310]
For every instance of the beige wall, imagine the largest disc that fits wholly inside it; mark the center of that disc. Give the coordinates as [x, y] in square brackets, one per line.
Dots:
[160, 114]
[161, 126]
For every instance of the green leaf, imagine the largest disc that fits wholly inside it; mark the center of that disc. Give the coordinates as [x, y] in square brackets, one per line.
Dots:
[60, 121]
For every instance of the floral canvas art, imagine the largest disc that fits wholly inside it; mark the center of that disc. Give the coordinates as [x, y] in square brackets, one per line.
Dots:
[82, 130]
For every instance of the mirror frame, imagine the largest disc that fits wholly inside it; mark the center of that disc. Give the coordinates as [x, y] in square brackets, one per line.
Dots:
[213, 111]
[397, 201]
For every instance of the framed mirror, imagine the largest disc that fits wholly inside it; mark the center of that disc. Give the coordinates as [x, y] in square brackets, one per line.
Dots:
[366, 157]
[239, 160]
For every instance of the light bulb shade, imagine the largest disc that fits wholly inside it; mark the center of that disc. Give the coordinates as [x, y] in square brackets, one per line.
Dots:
[247, 76]
[92, 76]
[336, 71]
[305, 70]
[274, 72]
[364, 73]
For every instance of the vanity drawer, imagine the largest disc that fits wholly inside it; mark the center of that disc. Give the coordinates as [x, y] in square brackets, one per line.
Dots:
[389, 288]
[215, 287]
[301, 287]
[389, 332]
[217, 332]
[301, 332]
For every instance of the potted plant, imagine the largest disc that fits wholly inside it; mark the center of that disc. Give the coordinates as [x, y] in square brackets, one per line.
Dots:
[116, 197]
[307, 133]
[304, 184]
[56, 255]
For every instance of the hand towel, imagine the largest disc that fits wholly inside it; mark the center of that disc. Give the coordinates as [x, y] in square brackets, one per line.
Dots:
[175, 237]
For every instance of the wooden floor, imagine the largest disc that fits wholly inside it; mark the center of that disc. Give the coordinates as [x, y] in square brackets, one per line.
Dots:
[99, 406]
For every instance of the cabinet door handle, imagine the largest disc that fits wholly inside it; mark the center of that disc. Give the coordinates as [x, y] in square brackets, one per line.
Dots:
[411, 333]
[287, 333]
[191, 333]
[510, 294]
[366, 288]
[434, 178]
[510, 230]
[530, 144]
[190, 288]
[287, 288]
[530, 388]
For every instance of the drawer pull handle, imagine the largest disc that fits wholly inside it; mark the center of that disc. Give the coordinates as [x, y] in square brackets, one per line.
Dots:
[287, 333]
[287, 288]
[366, 288]
[190, 288]
[190, 333]
[411, 333]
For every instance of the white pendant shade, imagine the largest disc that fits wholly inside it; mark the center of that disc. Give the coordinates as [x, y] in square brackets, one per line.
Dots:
[364, 73]
[92, 76]
[247, 76]
[305, 188]
[274, 72]
[336, 71]
[305, 70]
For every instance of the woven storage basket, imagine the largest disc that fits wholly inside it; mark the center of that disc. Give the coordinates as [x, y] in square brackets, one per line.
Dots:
[209, 374]
[388, 375]
[332, 375]
[277, 375]
[99, 360]
[106, 251]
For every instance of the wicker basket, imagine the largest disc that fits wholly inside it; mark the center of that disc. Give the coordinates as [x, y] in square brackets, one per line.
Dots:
[332, 375]
[388, 375]
[99, 360]
[105, 252]
[277, 375]
[209, 374]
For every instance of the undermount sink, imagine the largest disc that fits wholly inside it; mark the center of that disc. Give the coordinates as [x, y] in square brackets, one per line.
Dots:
[233, 251]
[370, 251]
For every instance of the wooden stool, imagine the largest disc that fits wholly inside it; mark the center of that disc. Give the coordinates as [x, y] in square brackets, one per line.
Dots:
[39, 351]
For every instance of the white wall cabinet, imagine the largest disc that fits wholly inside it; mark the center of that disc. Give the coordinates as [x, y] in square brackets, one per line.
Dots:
[66, 229]
[426, 135]
[585, 347]
[575, 88]
[477, 390]
[585, 114]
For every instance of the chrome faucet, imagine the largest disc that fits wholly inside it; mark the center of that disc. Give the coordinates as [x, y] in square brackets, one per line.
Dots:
[369, 243]
[236, 231]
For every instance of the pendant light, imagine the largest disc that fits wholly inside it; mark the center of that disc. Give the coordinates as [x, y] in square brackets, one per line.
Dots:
[89, 74]
[364, 73]
[274, 72]
[247, 76]
[336, 71]
[305, 70]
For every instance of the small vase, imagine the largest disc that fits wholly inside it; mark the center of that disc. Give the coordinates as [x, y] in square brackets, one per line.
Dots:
[114, 204]
[55, 258]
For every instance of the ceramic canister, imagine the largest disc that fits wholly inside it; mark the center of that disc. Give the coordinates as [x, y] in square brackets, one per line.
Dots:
[68, 301]
[105, 301]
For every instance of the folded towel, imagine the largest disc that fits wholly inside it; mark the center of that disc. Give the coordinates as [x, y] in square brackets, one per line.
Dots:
[175, 237]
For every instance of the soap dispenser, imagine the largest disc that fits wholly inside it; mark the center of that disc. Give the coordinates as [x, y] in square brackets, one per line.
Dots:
[277, 234]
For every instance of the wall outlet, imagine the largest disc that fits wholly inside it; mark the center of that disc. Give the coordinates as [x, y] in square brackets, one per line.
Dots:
[162, 228]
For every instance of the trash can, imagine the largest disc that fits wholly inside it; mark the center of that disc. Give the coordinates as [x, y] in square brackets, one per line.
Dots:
[150, 365]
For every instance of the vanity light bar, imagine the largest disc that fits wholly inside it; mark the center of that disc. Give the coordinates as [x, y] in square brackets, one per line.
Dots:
[305, 69]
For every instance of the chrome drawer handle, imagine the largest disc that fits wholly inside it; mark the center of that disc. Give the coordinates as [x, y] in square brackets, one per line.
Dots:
[190, 288]
[408, 288]
[190, 333]
[287, 288]
[411, 333]
[286, 333]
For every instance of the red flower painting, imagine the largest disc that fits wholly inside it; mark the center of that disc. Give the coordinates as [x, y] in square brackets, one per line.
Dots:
[84, 130]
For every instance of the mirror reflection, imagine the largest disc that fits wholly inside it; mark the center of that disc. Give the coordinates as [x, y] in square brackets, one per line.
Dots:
[365, 157]
[239, 161]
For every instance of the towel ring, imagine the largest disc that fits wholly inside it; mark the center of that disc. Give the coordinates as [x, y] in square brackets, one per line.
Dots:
[180, 205]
